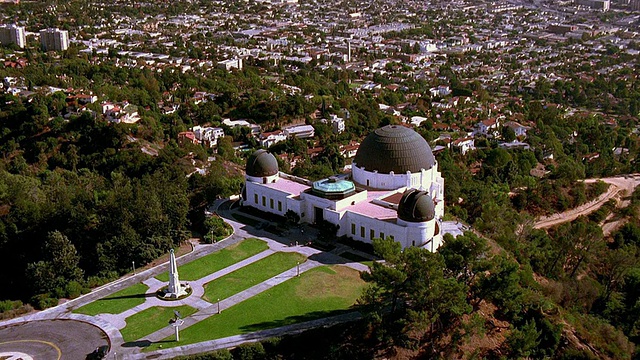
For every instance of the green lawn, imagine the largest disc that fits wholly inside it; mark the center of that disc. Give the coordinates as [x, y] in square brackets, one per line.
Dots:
[317, 293]
[151, 320]
[251, 275]
[218, 260]
[117, 302]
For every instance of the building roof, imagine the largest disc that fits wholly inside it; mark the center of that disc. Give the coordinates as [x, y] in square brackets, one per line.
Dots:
[333, 188]
[262, 163]
[394, 148]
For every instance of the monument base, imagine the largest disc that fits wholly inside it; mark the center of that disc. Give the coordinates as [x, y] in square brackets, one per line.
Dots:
[164, 294]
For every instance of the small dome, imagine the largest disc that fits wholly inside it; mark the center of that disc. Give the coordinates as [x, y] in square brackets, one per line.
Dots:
[262, 163]
[416, 206]
[394, 148]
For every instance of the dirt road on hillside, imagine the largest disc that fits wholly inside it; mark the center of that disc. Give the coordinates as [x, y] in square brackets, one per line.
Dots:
[620, 187]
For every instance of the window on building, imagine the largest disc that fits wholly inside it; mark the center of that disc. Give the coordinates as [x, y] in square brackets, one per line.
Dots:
[353, 229]
[362, 232]
[279, 205]
[381, 235]
[255, 198]
[271, 203]
[372, 234]
[264, 201]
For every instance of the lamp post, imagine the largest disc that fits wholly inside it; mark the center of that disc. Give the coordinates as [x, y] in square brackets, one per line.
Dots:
[298, 269]
[218, 306]
[176, 323]
[134, 267]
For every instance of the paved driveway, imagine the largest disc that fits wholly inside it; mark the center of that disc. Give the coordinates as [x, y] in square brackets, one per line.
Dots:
[52, 339]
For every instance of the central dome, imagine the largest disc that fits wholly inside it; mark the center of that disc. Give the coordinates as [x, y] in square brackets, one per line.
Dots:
[394, 148]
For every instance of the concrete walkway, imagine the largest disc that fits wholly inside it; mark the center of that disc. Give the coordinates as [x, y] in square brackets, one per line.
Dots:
[112, 323]
[236, 340]
[233, 300]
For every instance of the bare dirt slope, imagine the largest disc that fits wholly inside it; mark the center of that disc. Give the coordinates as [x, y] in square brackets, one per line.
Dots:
[620, 187]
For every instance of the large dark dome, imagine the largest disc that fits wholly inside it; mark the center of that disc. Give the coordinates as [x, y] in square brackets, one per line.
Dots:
[394, 148]
[262, 163]
[416, 206]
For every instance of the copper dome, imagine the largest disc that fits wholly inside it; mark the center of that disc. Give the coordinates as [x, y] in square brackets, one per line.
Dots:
[394, 148]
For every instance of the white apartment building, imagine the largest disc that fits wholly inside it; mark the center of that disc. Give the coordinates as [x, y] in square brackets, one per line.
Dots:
[54, 39]
[12, 34]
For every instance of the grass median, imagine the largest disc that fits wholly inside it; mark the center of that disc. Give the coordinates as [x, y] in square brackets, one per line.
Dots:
[117, 302]
[317, 293]
[151, 320]
[218, 260]
[251, 275]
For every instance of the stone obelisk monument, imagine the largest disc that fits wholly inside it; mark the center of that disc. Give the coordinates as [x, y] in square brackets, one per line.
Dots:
[175, 289]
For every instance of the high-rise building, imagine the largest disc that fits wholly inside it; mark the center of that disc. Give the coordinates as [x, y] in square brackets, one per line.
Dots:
[12, 34]
[635, 5]
[54, 39]
[603, 5]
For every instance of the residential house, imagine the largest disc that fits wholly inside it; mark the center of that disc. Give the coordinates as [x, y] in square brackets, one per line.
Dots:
[230, 64]
[202, 97]
[440, 91]
[337, 123]
[417, 120]
[489, 127]
[255, 128]
[187, 137]
[515, 145]
[465, 144]
[120, 112]
[268, 139]
[300, 131]
[519, 130]
[208, 135]
[349, 151]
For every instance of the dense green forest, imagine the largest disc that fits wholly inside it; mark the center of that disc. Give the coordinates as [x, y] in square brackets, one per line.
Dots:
[80, 210]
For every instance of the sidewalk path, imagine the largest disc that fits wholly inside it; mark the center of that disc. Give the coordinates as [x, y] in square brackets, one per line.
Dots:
[233, 300]
[112, 323]
[236, 340]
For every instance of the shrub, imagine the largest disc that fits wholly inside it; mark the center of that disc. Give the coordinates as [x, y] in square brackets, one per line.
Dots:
[74, 289]
[43, 301]
[251, 351]
[223, 354]
[7, 305]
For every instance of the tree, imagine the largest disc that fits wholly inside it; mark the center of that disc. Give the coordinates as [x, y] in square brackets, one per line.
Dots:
[508, 134]
[225, 148]
[501, 285]
[215, 228]
[462, 254]
[411, 292]
[524, 340]
[59, 268]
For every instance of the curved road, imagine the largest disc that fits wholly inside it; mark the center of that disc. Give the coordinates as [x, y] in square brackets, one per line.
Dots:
[52, 339]
[624, 184]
